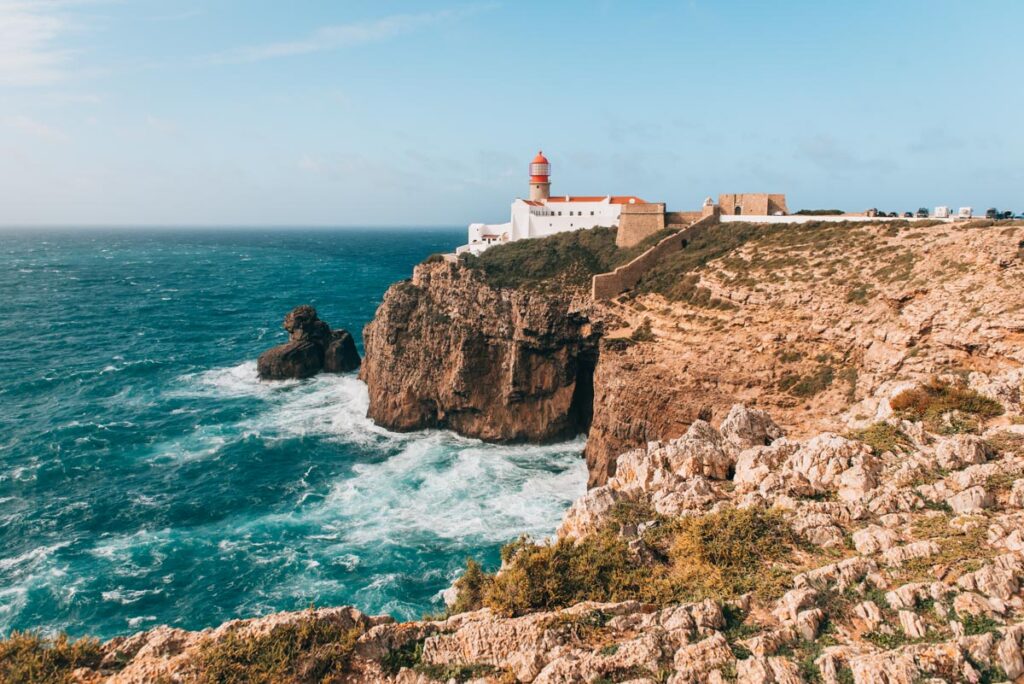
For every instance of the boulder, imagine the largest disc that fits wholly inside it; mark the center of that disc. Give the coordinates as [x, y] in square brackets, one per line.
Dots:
[960, 451]
[971, 500]
[745, 427]
[312, 347]
[341, 355]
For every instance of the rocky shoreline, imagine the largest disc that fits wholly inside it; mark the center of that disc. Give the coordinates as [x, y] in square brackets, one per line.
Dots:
[805, 466]
[906, 565]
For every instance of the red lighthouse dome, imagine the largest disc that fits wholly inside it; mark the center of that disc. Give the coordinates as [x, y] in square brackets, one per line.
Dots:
[540, 169]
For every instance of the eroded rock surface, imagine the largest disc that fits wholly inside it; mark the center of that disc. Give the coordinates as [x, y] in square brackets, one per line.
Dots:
[446, 350]
[890, 585]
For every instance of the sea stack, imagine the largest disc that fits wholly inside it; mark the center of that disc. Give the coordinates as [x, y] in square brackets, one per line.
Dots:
[312, 347]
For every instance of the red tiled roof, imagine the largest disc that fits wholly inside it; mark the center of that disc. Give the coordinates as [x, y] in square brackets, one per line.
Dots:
[614, 199]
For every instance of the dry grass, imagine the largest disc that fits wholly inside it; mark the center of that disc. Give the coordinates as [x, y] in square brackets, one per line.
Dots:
[313, 649]
[882, 437]
[720, 555]
[28, 657]
[934, 401]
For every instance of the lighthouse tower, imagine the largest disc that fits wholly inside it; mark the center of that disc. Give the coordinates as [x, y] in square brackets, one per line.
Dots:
[540, 178]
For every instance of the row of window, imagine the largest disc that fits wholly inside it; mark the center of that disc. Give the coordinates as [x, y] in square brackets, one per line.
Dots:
[552, 213]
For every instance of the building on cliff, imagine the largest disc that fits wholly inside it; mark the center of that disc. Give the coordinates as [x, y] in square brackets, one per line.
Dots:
[636, 219]
[542, 215]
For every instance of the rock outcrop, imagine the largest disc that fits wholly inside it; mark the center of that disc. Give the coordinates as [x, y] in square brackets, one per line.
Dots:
[446, 350]
[787, 321]
[312, 347]
[886, 582]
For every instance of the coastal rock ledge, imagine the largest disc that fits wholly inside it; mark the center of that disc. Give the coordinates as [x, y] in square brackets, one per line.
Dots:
[446, 350]
[312, 347]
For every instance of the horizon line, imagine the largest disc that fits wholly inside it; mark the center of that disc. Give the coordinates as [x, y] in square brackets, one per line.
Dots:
[221, 226]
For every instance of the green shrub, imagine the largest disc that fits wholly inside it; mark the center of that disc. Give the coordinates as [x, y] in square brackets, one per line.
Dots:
[549, 263]
[310, 650]
[882, 437]
[718, 555]
[727, 554]
[813, 383]
[598, 568]
[820, 212]
[859, 294]
[978, 624]
[643, 332]
[30, 658]
[886, 641]
[409, 655]
[932, 401]
[435, 258]
[471, 587]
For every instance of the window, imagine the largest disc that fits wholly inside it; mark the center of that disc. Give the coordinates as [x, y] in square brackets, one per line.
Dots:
[591, 213]
[559, 213]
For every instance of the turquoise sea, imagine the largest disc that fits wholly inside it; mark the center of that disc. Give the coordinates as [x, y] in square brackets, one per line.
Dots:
[147, 477]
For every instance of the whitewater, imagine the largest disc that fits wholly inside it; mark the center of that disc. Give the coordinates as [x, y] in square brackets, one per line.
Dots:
[147, 477]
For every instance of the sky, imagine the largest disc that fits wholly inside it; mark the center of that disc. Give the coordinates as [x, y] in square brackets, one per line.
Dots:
[366, 113]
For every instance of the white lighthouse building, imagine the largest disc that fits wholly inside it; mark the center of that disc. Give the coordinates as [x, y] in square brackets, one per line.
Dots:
[543, 215]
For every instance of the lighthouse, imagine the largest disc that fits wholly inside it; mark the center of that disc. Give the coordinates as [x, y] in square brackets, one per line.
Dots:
[540, 178]
[543, 215]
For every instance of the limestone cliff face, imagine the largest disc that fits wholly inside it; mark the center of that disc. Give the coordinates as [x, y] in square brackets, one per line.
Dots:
[807, 322]
[445, 350]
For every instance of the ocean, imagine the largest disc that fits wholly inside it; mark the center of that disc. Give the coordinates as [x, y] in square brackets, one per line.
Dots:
[147, 477]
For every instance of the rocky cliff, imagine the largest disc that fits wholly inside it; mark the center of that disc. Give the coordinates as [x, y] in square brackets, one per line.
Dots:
[447, 350]
[805, 321]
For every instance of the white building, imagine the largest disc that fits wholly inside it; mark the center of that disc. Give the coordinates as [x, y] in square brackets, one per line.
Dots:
[543, 215]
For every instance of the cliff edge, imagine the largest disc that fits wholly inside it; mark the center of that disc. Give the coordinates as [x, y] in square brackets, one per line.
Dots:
[806, 320]
[447, 350]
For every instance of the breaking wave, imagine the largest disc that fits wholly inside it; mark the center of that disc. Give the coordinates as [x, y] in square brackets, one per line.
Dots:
[148, 477]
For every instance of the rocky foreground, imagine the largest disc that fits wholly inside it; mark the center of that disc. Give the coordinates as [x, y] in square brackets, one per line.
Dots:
[893, 554]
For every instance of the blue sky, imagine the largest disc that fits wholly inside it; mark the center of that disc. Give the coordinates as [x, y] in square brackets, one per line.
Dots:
[254, 112]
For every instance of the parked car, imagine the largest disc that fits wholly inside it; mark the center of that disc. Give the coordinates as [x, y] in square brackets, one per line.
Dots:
[893, 214]
[942, 212]
[992, 214]
[908, 214]
[1007, 214]
[965, 213]
[922, 213]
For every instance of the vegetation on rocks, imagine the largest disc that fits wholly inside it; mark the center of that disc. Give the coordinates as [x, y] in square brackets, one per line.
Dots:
[560, 260]
[882, 437]
[717, 555]
[310, 650]
[943, 406]
[29, 657]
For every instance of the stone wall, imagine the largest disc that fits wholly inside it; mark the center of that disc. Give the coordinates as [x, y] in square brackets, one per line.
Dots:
[638, 221]
[682, 218]
[607, 285]
[752, 204]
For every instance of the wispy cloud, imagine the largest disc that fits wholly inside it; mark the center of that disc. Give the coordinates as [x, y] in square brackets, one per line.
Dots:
[29, 54]
[36, 128]
[338, 36]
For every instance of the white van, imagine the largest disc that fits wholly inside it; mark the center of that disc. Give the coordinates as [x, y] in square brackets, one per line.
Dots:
[965, 213]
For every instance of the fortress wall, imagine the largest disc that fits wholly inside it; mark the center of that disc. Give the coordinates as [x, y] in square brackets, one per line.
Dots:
[752, 203]
[607, 285]
[637, 221]
[676, 218]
